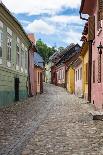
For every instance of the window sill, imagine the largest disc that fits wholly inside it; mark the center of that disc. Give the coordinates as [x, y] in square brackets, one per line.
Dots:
[8, 64]
[99, 31]
[0, 61]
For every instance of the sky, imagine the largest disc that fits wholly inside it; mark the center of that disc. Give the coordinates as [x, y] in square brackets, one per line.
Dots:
[55, 22]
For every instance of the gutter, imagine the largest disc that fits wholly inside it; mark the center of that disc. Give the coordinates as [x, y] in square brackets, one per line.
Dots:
[81, 9]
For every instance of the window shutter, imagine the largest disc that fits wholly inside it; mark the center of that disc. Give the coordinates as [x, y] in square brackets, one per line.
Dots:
[100, 8]
[91, 28]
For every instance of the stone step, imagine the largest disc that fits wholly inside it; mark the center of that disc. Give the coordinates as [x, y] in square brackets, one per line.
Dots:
[97, 115]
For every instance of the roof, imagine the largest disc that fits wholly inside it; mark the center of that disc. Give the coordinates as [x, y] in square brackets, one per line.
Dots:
[87, 6]
[18, 23]
[69, 53]
[56, 57]
[38, 60]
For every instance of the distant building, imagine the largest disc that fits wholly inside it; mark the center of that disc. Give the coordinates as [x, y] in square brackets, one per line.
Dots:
[62, 64]
[48, 72]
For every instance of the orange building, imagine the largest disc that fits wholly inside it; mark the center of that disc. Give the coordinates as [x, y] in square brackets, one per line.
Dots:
[38, 73]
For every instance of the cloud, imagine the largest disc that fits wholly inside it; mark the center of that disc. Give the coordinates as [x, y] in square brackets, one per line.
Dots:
[33, 7]
[25, 21]
[66, 19]
[40, 26]
[72, 37]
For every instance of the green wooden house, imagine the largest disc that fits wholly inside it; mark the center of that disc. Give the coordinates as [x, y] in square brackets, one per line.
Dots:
[14, 46]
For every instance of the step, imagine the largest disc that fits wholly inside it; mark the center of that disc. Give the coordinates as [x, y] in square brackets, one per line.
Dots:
[97, 115]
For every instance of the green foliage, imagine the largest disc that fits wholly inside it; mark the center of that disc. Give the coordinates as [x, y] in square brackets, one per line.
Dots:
[44, 50]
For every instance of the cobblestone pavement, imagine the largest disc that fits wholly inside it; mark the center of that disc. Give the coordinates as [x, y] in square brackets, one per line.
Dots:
[68, 129]
[54, 123]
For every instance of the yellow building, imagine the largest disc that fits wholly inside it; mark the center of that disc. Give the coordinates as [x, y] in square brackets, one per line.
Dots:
[70, 80]
[84, 56]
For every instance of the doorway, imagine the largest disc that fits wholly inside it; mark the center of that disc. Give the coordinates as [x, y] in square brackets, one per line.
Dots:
[16, 89]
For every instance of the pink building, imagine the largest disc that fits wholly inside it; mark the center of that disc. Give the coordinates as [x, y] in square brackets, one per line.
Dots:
[60, 70]
[78, 77]
[31, 90]
[94, 8]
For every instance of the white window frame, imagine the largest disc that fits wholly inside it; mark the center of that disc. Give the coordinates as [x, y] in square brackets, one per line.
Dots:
[9, 50]
[22, 59]
[26, 61]
[17, 55]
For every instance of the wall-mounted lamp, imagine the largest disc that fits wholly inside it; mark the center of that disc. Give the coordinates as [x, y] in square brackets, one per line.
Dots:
[100, 47]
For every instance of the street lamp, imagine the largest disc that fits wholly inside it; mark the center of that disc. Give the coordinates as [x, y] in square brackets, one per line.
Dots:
[100, 47]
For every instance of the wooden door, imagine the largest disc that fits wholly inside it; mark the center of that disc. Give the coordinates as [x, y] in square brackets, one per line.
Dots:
[16, 89]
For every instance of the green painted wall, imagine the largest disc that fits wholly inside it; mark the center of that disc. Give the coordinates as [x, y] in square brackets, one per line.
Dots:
[7, 75]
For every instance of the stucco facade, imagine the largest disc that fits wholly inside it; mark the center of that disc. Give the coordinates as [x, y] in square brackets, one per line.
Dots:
[84, 56]
[60, 71]
[97, 87]
[48, 72]
[94, 9]
[78, 80]
[14, 46]
[38, 73]
[70, 80]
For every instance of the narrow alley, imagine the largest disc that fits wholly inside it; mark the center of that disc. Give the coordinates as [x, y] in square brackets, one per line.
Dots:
[54, 123]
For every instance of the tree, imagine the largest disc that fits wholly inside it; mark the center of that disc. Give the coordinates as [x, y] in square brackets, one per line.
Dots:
[44, 50]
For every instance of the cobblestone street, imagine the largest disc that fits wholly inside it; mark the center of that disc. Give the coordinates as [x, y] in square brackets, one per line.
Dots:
[54, 123]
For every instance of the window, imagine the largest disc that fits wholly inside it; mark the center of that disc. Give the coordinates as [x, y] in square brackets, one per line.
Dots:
[63, 74]
[94, 71]
[99, 68]
[26, 60]
[60, 74]
[76, 76]
[86, 66]
[17, 55]
[38, 78]
[9, 42]
[1, 42]
[80, 73]
[22, 57]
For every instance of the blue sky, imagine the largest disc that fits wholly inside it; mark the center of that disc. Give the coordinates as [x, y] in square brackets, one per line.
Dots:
[56, 22]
